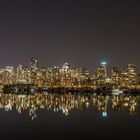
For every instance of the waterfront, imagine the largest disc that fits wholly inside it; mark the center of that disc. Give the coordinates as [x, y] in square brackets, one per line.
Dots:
[32, 77]
[70, 115]
[68, 102]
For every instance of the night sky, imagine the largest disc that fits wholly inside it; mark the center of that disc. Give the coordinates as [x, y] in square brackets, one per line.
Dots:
[82, 32]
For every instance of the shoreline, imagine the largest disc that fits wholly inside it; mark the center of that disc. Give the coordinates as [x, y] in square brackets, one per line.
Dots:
[30, 89]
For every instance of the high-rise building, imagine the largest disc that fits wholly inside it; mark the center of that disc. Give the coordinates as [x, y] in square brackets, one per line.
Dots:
[9, 69]
[99, 75]
[104, 64]
[65, 75]
[131, 70]
[33, 64]
[116, 75]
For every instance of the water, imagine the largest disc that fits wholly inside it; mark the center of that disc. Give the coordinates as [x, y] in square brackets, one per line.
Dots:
[46, 115]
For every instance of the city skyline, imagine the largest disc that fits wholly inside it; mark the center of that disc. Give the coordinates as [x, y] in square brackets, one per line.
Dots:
[99, 63]
[34, 78]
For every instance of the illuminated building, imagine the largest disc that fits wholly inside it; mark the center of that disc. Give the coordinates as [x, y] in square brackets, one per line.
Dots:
[70, 78]
[10, 69]
[23, 75]
[84, 78]
[2, 71]
[99, 76]
[65, 75]
[33, 64]
[131, 69]
[116, 75]
[104, 64]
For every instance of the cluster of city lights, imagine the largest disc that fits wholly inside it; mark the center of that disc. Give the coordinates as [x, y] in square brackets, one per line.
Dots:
[66, 103]
[68, 77]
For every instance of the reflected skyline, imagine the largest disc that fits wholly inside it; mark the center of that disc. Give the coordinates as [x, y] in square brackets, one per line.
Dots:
[67, 103]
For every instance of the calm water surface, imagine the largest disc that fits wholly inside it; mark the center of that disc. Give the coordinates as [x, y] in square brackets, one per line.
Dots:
[45, 115]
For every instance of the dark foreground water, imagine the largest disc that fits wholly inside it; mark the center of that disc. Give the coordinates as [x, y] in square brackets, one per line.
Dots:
[43, 116]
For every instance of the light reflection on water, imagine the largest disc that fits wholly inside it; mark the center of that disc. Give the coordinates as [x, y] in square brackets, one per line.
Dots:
[68, 102]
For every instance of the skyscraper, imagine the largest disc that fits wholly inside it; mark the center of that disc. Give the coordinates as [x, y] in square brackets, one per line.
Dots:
[33, 64]
[131, 70]
[116, 75]
[104, 64]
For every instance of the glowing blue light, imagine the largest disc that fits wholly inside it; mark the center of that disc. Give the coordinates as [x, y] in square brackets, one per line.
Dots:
[103, 62]
[104, 114]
